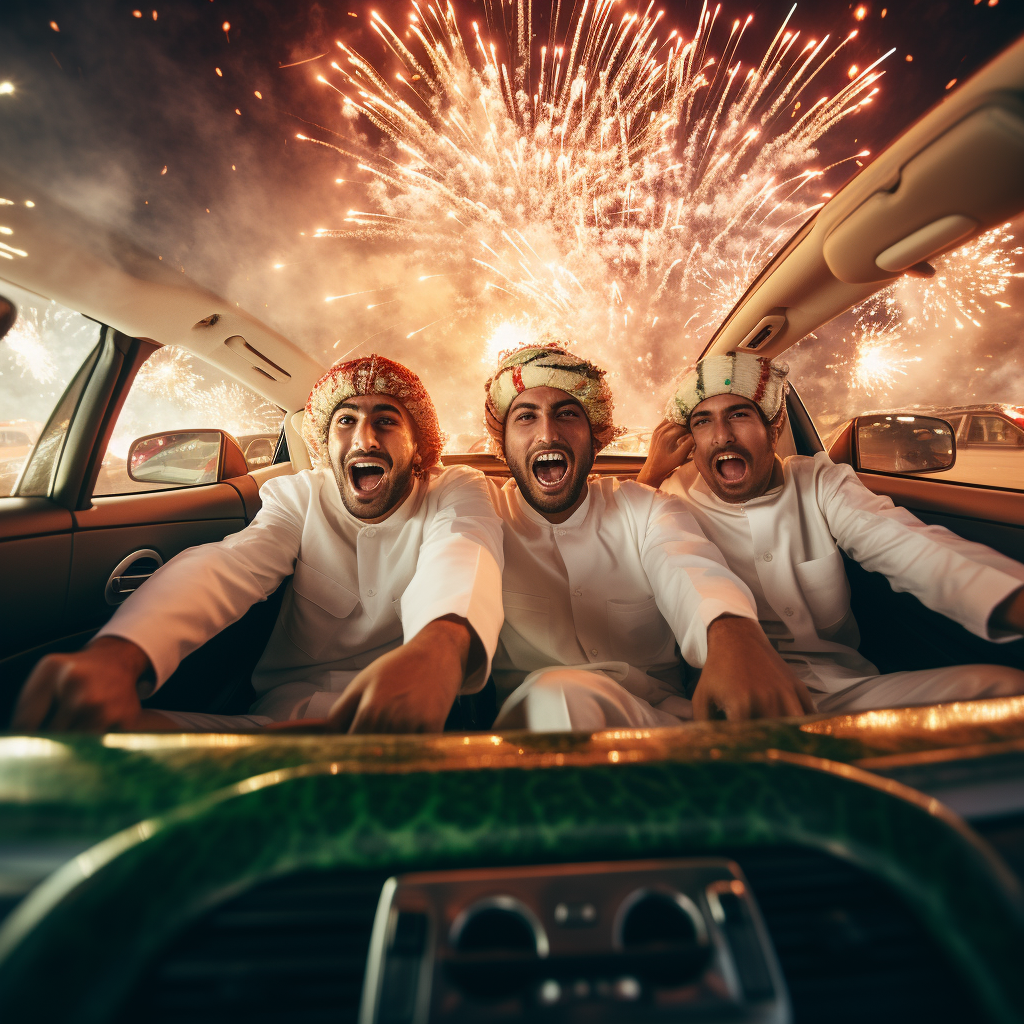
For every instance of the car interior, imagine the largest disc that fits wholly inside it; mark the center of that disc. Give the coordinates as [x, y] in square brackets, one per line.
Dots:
[765, 871]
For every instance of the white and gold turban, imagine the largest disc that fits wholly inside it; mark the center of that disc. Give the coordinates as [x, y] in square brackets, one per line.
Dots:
[371, 375]
[549, 365]
[738, 373]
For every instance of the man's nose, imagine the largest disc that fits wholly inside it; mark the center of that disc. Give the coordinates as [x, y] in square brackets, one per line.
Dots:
[548, 429]
[364, 437]
[722, 431]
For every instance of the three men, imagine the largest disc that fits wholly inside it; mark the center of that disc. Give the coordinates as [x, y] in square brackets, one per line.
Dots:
[603, 577]
[781, 525]
[394, 605]
[397, 594]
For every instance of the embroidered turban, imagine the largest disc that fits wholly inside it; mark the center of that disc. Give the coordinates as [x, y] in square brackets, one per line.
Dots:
[371, 375]
[549, 365]
[738, 373]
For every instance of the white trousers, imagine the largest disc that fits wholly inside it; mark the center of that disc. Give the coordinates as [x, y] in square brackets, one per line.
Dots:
[575, 700]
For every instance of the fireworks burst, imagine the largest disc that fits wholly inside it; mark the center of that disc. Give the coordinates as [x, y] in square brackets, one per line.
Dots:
[965, 287]
[30, 352]
[621, 184]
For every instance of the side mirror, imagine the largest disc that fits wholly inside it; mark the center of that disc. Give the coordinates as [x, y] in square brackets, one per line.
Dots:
[185, 458]
[903, 443]
[8, 314]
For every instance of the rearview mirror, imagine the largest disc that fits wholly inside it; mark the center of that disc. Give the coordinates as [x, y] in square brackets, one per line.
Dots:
[185, 458]
[903, 443]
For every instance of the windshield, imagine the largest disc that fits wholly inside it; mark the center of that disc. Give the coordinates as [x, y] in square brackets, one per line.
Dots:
[359, 199]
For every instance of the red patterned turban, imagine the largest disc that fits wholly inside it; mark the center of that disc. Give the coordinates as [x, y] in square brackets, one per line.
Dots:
[371, 375]
[549, 365]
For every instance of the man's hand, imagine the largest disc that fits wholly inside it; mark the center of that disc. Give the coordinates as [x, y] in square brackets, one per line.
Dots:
[671, 445]
[744, 677]
[1008, 616]
[412, 688]
[91, 690]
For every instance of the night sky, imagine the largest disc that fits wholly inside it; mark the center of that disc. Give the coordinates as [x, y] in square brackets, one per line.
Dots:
[104, 102]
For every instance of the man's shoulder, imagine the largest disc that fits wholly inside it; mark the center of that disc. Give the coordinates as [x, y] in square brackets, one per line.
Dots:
[814, 470]
[451, 485]
[292, 488]
[627, 493]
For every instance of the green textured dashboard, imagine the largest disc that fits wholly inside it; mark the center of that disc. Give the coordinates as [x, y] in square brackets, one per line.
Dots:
[180, 822]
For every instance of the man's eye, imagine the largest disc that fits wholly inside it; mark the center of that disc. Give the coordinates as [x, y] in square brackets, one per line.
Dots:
[569, 412]
[345, 421]
[385, 421]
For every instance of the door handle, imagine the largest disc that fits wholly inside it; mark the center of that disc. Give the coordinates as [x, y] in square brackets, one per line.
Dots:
[130, 573]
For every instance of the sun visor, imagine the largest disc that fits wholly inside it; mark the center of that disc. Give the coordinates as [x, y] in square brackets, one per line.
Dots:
[968, 180]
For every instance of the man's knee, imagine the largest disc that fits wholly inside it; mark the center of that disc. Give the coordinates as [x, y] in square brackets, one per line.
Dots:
[561, 700]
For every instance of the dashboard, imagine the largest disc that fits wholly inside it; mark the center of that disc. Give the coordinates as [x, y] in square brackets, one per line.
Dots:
[723, 871]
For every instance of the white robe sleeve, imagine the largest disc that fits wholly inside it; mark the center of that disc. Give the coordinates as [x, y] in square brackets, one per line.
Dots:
[963, 580]
[458, 571]
[206, 588]
[692, 584]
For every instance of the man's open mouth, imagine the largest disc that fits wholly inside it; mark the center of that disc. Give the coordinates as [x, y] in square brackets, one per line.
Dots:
[730, 467]
[550, 469]
[367, 476]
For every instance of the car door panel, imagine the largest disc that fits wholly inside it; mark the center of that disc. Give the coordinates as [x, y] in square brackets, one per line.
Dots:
[97, 552]
[992, 516]
[898, 632]
[32, 600]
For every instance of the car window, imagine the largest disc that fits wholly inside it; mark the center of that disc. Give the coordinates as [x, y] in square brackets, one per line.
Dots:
[176, 390]
[944, 346]
[39, 358]
[994, 430]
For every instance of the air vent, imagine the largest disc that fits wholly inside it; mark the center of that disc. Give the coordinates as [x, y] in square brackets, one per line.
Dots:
[500, 944]
[848, 947]
[666, 935]
[291, 950]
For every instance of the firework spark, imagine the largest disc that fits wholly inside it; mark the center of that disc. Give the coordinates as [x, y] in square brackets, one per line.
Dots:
[620, 183]
[30, 352]
[623, 181]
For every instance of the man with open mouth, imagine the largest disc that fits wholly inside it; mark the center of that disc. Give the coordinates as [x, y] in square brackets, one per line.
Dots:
[781, 525]
[602, 577]
[394, 603]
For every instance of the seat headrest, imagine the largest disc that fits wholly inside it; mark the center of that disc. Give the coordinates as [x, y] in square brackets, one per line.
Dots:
[297, 451]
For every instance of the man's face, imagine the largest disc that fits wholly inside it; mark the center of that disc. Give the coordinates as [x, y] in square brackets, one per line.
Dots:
[549, 449]
[733, 449]
[372, 449]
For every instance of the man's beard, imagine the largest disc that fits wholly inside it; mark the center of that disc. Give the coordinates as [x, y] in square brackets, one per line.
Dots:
[391, 491]
[523, 475]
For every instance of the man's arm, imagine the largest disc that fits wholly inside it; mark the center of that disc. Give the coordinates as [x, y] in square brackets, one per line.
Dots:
[670, 447]
[964, 581]
[712, 613]
[89, 691]
[458, 570]
[186, 602]
[1008, 616]
[744, 677]
[412, 688]
[451, 615]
